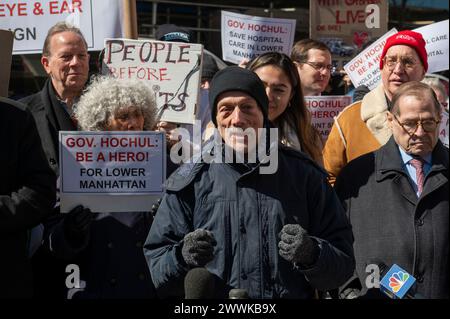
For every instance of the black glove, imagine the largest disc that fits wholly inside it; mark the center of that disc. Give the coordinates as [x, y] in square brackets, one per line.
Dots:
[296, 246]
[198, 248]
[77, 224]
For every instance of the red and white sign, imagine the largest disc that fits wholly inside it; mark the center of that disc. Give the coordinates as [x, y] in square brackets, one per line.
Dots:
[30, 21]
[98, 164]
[364, 69]
[444, 129]
[436, 36]
[246, 37]
[324, 109]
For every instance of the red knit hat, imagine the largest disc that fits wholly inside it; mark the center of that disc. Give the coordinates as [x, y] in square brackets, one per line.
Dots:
[409, 38]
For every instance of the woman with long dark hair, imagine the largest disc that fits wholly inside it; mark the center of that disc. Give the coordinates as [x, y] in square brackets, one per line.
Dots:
[287, 108]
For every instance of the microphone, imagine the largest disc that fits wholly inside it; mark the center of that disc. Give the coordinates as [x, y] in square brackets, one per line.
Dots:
[236, 293]
[199, 284]
[397, 283]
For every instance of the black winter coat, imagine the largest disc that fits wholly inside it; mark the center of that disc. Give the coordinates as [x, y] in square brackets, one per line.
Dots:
[27, 195]
[391, 225]
[246, 210]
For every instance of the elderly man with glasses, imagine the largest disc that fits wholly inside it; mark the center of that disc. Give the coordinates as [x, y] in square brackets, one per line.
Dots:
[313, 61]
[362, 127]
[396, 198]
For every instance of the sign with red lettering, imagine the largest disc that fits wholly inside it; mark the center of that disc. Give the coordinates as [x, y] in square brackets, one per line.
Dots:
[324, 109]
[364, 69]
[30, 21]
[436, 36]
[111, 171]
[245, 37]
[172, 69]
[345, 26]
[444, 128]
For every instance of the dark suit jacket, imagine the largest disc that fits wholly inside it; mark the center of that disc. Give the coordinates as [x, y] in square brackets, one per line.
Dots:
[50, 118]
[391, 225]
[27, 195]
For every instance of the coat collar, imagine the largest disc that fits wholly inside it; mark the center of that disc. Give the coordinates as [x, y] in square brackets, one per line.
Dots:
[389, 160]
[373, 112]
[388, 163]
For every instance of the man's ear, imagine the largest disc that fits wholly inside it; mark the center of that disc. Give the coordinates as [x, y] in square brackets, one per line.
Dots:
[45, 61]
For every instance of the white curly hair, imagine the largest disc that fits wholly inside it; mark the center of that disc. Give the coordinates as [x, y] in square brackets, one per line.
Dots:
[106, 95]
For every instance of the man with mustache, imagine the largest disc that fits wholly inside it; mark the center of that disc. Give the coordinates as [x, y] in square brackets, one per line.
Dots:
[397, 197]
[268, 233]
[362, 126]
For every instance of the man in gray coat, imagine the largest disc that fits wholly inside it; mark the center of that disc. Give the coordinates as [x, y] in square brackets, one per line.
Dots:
[277, 235]
[397, 197]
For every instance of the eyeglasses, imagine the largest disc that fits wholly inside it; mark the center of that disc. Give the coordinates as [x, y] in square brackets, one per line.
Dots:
[411, 127]
[407, 63]
[319, 66]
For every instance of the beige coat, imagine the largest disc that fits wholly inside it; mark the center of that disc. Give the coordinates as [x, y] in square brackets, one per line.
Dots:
[359, 129]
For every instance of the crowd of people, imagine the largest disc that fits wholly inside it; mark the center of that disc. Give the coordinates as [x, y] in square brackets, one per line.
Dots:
[375, 193]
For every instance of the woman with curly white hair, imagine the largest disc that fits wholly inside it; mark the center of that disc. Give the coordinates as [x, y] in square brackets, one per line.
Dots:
[110, 104]
[107, 247]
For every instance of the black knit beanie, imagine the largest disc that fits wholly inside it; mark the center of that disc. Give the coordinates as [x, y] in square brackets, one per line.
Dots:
[209, 67]
[234, 78]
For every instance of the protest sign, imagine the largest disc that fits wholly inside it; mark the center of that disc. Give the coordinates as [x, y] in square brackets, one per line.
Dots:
[245, 37]
[111, 171]
[172, 69]
[324, 109]
[364, 69]
[346, 26]
[6, 40]
[30, 21]
[436, 36]
[444, 129]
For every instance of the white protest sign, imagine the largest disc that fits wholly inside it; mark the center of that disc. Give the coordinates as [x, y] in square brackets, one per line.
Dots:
[245, 36]
[30, 21]
[323, 109]
[364, 69]
[111, 171]
[171, 69]
[444, 129]
[436, 36]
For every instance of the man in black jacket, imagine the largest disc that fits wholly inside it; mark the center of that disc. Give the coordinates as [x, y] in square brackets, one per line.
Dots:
[27, 195]
[66, 60]
[278, 233]
[397, 197]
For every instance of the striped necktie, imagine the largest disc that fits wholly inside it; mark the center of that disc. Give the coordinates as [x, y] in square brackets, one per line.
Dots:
[420, 176]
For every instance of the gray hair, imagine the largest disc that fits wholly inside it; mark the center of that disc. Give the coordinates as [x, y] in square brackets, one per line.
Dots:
[419, 90]
[435, 84]
[106, 95]
[58, 28]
